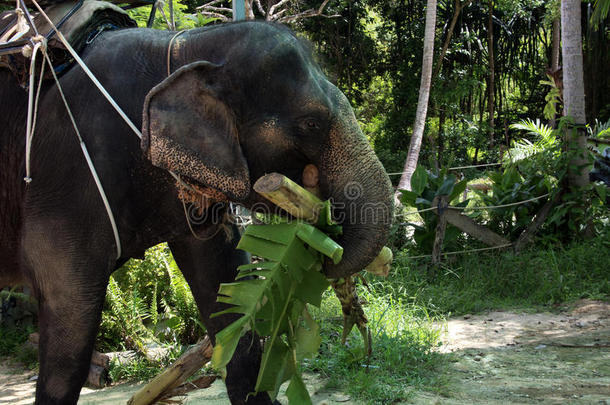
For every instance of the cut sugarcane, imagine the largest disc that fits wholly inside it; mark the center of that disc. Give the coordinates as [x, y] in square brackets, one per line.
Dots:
[289, 196]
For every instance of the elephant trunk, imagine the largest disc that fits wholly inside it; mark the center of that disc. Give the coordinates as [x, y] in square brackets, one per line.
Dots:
[352, 176]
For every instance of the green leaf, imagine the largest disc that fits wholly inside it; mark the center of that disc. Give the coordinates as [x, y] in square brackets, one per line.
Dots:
[419, 180]
[311, 291]
[408, 197]
[307, 337]
[278, 367]
[601, 190]
[423, 201]
[458, 189]
[320, 242]
[278, 233]
[447, 187]
[297, 392]
[226, 342]
[272, 296]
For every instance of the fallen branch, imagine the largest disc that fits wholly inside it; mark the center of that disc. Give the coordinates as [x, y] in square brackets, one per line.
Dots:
[467, 225]
[527, 235]
[187, 365]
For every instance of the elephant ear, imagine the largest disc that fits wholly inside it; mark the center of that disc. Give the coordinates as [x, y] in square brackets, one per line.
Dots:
[187, 129]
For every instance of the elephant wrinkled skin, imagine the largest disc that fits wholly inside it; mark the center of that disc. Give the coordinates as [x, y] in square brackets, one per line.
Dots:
[242, 100]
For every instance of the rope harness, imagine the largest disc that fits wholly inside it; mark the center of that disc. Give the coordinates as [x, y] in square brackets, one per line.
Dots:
[39, 45]
[199, 198]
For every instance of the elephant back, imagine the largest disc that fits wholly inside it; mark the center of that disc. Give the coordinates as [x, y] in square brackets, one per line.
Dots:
[79, 21]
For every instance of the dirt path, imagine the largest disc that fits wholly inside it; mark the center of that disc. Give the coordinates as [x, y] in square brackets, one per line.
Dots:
[497, 358]
[504, 357]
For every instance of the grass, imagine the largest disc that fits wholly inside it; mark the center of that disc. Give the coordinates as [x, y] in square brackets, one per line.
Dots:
[538, 278]
[404, 339]
[406, 312]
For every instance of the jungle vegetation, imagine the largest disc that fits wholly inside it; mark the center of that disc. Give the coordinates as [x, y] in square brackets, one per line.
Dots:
[496, 97]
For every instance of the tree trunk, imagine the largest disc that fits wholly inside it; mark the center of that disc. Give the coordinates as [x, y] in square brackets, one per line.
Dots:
[422, 102]
[491, 82]
[555, 55]
[441, 140]
[456, 13]
[574, 90]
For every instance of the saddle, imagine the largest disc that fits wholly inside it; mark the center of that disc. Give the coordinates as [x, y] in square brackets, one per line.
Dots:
[80, 21]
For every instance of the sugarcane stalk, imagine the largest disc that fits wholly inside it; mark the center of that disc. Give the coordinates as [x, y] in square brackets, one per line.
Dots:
[289, 196]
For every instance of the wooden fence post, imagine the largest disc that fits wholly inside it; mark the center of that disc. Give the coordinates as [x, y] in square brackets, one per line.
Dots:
[441, 203]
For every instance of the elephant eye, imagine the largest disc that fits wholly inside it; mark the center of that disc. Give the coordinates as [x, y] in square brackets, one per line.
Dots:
[312, 124]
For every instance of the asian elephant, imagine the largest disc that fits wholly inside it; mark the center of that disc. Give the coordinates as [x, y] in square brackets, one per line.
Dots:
[218, 107]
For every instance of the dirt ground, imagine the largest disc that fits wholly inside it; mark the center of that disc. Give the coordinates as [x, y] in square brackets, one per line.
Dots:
[496, 358]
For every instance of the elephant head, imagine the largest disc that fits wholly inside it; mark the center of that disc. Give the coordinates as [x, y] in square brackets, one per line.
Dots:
[260, 104]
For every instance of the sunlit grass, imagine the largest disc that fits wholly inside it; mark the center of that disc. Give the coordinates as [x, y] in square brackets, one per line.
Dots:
[404, 339]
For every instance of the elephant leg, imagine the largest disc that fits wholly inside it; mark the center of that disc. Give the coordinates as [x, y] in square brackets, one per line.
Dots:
[68, 328]
[70, 285]
[205, 265]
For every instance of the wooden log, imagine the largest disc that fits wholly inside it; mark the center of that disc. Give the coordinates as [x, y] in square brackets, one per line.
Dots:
[289, 196]
[100, 359]
[479, 186]
[200, 383]
[97, 376]
[187, 365]
[527, 235]
[480, 232]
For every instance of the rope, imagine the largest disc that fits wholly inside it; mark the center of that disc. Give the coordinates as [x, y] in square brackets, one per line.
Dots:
[100, 188]
[39, 43]
[474, 166]
[89, 73]
[455, 168]
[169, 51]
[490, 207]
[463, 251]
[188, 221]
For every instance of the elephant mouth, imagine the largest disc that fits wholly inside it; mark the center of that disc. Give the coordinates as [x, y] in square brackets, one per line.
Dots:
[363, 235]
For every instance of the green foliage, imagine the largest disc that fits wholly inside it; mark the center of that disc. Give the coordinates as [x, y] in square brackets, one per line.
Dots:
[553, 99]
[425, 186]
[148, 301]
[544, 276]
[140, 368]
[507, 187]
[600, 12]
[545, 146]
[537, 167]
[183, 20]
[600, 130]
[272, 296]
[13, 343]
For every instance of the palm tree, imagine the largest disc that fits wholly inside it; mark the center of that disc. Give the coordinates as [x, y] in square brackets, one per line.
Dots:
[574, 89]
[422, 102]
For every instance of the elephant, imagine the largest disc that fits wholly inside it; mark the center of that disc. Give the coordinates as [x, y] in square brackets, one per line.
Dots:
[219, 107]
